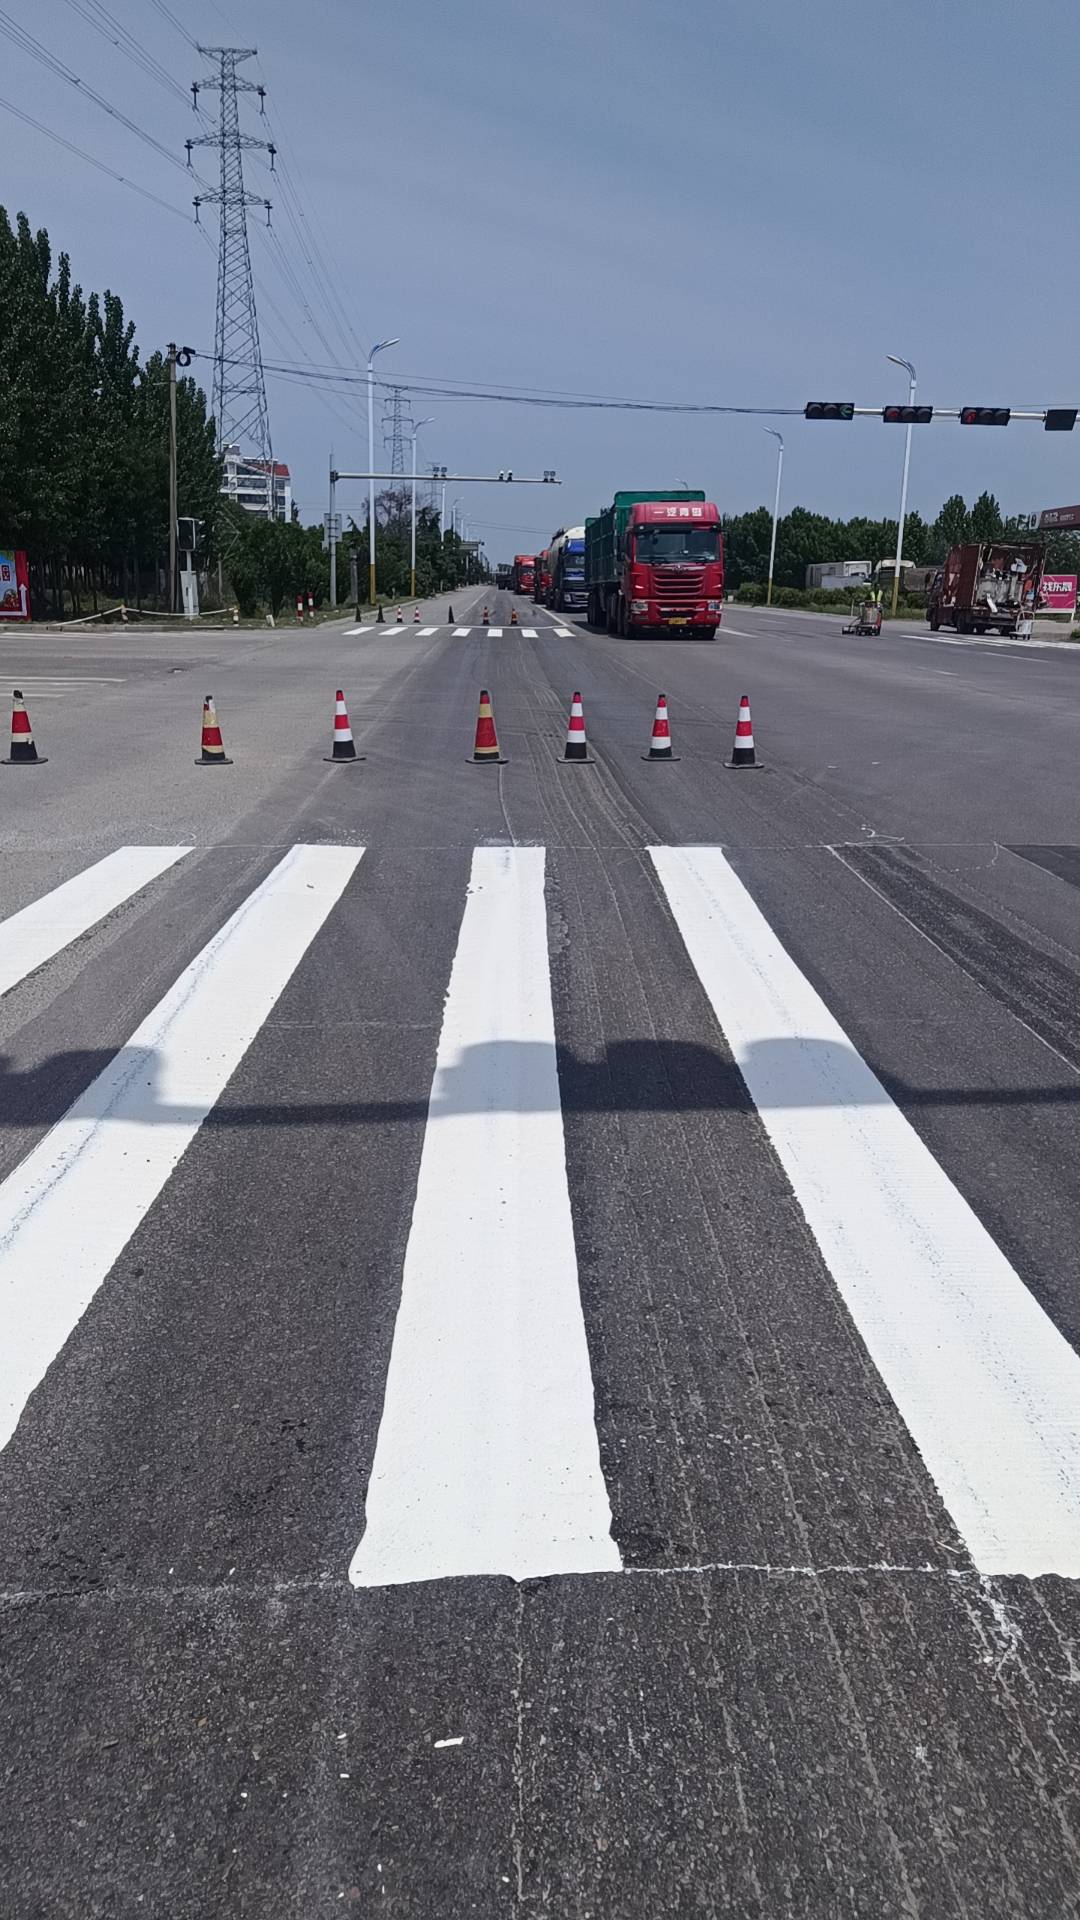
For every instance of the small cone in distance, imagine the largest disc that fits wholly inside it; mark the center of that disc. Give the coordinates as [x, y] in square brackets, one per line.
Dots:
[486, 747]
[485, 618]
[742, 753]
[450, 621]
[576, 743]
[513, 617]
[344, 747]
[416, 617]
[400, 618]
[23, 751]
[213, 753]
[380, 618]
[660, 744]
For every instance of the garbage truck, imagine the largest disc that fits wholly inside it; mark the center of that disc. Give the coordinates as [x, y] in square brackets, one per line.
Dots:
[986, 584]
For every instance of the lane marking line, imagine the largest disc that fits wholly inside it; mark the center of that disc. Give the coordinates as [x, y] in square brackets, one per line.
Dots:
[487, 1459]
[70, 1208]
[528, 633]
[461, 633]
[494, 633]
[564, 633]
[988, 1387]
[424, 633]
[39, 931]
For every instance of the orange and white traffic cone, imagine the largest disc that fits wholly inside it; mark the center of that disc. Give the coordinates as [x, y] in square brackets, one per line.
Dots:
[400, 618]
[577, 749]
[484, 620]
[487, 740]
[344, 747]
[513, 617]
[299, 609]
[660, 744]
[416, 617]
[742, 753]
[213, 753]
[23, 751]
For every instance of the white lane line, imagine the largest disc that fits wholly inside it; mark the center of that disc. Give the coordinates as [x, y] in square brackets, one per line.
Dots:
[460, 633]
[487, 1460]
[351, 632]
[564, 633]
[70, 1208]
[989, 1389]
[46, 926]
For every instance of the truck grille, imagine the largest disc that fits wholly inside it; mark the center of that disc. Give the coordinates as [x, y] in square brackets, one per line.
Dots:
[678, 587]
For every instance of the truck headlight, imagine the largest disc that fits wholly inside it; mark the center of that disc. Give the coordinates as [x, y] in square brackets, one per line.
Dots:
[712, 606]
[639, 606]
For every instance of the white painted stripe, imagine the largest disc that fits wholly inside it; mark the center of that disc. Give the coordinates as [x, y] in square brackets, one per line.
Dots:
[424, 633]
[44, 928]
[351, 632]
[487, 1460]
[528, 633]
[988, 1387]
[564, 633]
[461, 632]
[70, 1208]
[495, 633]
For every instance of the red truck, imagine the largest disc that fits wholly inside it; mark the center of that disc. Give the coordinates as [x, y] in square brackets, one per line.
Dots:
[542, 578]
[523, 573]
[985, 584]
[656, 560]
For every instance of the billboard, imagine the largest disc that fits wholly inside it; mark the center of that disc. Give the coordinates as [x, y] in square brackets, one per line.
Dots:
[1058, 592]
[1060, 517]
[14, 587]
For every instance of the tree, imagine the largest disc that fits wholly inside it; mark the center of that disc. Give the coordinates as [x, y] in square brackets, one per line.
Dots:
[951, 528]
[986, 520]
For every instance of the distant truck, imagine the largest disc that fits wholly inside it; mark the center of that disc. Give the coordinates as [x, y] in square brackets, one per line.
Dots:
[542, 577]
[655, 562]
[503, 576]
[523, 573]
[986, 584]
[567, 562]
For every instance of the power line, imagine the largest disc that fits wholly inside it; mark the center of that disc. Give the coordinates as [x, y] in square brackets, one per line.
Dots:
[118, 36]
[166, 14]
[92, 161]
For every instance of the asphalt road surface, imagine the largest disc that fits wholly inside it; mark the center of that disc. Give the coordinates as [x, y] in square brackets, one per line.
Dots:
[541, 1303]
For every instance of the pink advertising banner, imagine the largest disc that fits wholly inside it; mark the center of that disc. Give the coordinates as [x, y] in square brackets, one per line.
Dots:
[1058, 592]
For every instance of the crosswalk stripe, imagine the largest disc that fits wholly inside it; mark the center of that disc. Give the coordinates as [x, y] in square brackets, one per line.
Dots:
[988, 1387]
[351, 632]
[460, 633]
[487, 1459]
[46, 926]
[564, 633]
[423, 633]
[70, 1208]
[495, 633]
[528, 633]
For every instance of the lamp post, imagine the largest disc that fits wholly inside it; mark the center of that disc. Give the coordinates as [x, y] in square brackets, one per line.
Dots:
[779, 438]
[910, 371]
[379, 347]
[412, 539]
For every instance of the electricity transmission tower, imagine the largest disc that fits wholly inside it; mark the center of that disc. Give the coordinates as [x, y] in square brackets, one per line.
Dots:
[397, 429]
[239, 388]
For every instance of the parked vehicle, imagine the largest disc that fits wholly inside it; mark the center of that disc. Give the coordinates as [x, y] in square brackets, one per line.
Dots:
[542, 577]
[503, 577]
[567, 562]
[986, 584]
[655, 561]
[523, 573]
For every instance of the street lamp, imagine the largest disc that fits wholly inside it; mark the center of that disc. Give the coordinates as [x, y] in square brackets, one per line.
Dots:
[779, 438]
[379, 347]
[910, 371]
[412, 543]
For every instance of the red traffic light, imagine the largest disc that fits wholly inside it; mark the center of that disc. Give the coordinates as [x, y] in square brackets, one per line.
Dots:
[829, 410]
[908, 416]
[984, 416]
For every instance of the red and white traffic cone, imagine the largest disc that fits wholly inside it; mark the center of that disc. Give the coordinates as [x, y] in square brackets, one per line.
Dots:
[484, 620]
[344, 747]
[486, 747]
[577, 749]
[299, 609]
[213, 752]
[23, 751]
[513, 617]
[660, 744]
[742, 753]
[416, 617]
[400, 618]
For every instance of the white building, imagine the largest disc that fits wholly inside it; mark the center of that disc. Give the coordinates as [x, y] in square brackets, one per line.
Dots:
[259, 486]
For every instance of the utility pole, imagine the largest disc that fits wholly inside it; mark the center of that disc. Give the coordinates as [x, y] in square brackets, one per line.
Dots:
[331, 536]
[779, 438]
[240, 409]
[379, 347]
[170, 359]
[412, 540]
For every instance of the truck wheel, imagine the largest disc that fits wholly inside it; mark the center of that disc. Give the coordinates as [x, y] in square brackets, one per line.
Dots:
[935, 621]
[613, 614]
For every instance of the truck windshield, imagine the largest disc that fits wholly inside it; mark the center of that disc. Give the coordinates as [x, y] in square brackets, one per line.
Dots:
[662, 545]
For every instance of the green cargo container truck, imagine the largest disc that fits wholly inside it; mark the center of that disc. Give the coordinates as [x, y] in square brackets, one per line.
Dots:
[654, 561]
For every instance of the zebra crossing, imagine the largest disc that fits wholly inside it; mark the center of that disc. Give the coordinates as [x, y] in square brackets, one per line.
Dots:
[463, 633]
[486, 1457]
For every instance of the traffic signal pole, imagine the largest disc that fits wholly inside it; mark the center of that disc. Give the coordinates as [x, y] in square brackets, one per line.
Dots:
[903, 483]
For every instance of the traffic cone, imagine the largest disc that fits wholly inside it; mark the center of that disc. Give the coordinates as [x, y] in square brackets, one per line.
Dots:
[311, 605]
[660, 745]
[576, 746]
[359, 620]
[380, 620]
[236, 616]
[513, 617]
[742, 753]
[400, 618]
[416, 617]
[450, 621]
[484, 621]
[299, 609]
[344, 748]
[213, 753]
[23, 751]
[487, 740]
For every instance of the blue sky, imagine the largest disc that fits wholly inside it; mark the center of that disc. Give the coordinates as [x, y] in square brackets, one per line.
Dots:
[743, 203]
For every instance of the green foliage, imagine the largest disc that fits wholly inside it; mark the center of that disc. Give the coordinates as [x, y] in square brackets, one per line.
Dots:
[986, 520]
[270, 561]
[84, 480]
